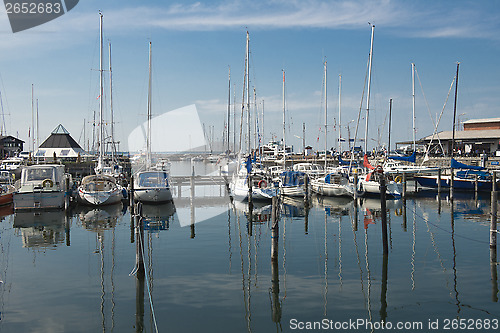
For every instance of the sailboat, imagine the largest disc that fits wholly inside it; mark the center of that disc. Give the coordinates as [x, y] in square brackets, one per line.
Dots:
[469, 177]
[262, 186]
[100, 189]
[369, 184]
[151, 185]
[336, 183]
[291, 182]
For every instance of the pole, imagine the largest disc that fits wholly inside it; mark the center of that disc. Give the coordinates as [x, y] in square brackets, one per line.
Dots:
[390, 119]
[493, 225]
[383, 207]
[274, 229]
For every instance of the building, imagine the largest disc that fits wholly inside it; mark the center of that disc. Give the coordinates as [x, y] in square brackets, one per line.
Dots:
[60, 145]
[10, 146]
[479, 136]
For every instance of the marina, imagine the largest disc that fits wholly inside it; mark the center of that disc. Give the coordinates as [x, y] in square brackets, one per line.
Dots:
[209, 266]
[179, 206]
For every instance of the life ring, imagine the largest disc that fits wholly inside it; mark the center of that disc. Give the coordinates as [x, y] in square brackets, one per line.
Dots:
[398, 179]
[399, 211]
[48, 182]
[262, 184]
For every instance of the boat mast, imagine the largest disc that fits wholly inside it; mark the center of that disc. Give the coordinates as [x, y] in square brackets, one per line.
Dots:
[326, 113]
[284, 126]
[368, 90]
[454, 113]
[32, 133]
[228, 110]
[413, 101]
[390, 119]
[248, 93]
[148, 139]
[111, 107]
[100, 162]
[340, 115]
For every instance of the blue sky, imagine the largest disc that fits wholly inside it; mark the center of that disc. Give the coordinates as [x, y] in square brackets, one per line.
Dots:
[194, 43]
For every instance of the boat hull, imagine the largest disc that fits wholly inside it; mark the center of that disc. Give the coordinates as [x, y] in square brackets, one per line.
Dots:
[293, 191]
[332, 190]
[153, 195]
[372, 188]
[99, 198]
[458, 183]
[38, 200]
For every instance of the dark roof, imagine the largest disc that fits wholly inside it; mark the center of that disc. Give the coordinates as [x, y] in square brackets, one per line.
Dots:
[60, 138]
[2, 137]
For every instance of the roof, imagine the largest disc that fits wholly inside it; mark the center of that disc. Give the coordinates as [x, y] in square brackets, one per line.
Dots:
[60, 130]
[464, 135]
[479, 121]
[2, 137]
[60, 138]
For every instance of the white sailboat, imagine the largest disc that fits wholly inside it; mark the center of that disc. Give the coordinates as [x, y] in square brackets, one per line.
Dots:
[152, 185]
[369, 183]
[336, 183]
[100, 189]
[261, 186]
[291, 182]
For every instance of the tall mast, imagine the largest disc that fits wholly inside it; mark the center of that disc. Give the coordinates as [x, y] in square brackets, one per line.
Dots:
[37, 124]
[340, 115]
[148, 139]
[32, 132]
[390, 120]
[454, 112]
[284, 126]
[111, 107]
[100, 162]
[228, 110]
[413, 102]
[368, 90]
[248, 93]
[326, 113]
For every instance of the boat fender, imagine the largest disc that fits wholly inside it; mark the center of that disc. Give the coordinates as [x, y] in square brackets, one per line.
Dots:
[47, 183]
[262, 184]
[398, 179]
[124, 193]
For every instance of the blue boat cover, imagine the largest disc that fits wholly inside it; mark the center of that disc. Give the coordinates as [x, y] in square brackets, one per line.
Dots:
[457, 165]
[292, 178]
[412, 158]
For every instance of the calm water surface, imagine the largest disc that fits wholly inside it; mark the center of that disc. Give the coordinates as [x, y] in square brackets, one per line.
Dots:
[209, 270]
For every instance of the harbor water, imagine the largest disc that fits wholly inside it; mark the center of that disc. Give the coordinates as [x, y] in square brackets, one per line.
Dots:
[208, 266]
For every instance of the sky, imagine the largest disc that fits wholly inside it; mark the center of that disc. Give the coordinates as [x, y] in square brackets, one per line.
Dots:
[196, 42]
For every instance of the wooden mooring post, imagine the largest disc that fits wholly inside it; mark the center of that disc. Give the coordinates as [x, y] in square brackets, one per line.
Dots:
[275, 282]
[132, 209]
[139, 236]
[493, 224]
[274, 229]
[493, 240]
[404, 184]
[383, 207]
[439, 181]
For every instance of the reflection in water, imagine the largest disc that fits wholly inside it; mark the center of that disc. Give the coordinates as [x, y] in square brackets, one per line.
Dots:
[41, 230]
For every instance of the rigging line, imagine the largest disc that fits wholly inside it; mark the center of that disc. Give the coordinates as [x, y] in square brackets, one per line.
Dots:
[147, 283]
[440, 115]
[414, 211]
